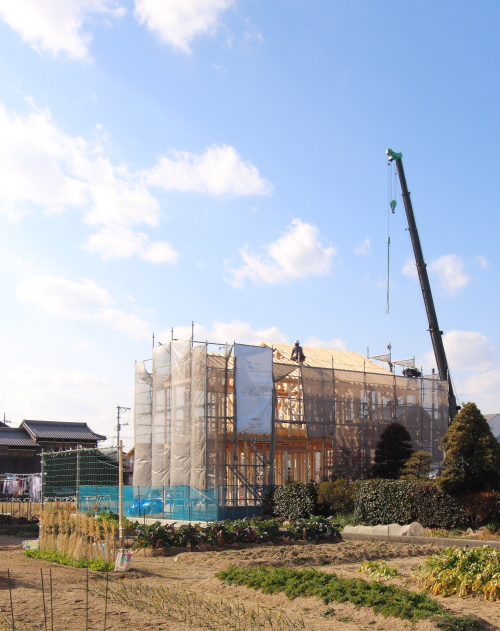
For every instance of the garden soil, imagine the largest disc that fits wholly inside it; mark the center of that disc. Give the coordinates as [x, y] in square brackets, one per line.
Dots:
[69, 607]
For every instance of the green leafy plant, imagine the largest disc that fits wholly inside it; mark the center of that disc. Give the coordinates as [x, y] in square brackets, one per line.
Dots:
[246, 530]
[462, 571]
[379, 570]
[313, 529]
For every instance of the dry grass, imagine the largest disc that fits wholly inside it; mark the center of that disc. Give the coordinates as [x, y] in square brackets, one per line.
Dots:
[77, 534]
[183, 605]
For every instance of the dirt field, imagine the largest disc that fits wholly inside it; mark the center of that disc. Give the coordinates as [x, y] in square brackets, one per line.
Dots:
[191, 576]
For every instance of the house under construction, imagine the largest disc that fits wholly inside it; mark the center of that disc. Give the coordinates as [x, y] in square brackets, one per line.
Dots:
[242, 418]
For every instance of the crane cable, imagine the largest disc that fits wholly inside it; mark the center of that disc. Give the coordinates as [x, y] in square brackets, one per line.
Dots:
[391, 206]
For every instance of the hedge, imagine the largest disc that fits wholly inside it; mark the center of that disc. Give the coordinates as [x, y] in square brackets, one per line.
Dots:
[399, 501]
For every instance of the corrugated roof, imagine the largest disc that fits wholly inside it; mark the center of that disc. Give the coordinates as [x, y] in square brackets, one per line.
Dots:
[325, 358]
[15, 437]
[61, 431]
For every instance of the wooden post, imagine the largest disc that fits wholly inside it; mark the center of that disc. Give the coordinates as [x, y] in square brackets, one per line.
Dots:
[120, 494]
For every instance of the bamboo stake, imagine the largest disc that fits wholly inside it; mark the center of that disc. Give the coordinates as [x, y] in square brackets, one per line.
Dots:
[51, 602]
[106, 601]
[43, 601]
[87, 601]
[11, 604]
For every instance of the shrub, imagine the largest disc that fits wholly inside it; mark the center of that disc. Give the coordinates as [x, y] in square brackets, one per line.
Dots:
[417, 467]
[393, 450]
[336, 497]
[296, 499]
[399, 501]
[472, 455]
[480, 506]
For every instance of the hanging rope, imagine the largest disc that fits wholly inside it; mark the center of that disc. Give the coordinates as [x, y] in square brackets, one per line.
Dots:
[391, 203]
[389, 192]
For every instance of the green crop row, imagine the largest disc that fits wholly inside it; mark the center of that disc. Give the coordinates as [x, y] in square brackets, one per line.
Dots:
[238, 531]
[388, 600]
[97, 564]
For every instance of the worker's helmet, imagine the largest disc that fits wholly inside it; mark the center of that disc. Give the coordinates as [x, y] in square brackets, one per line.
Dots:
[297, 342]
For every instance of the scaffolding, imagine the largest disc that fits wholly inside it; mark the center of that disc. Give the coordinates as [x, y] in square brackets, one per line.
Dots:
[242, 418]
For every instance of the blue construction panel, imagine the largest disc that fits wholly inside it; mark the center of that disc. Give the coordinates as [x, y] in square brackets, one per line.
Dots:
[182, 503]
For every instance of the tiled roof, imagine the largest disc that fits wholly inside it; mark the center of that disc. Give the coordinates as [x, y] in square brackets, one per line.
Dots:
[326, 358]
[15, 437]
[60, 431]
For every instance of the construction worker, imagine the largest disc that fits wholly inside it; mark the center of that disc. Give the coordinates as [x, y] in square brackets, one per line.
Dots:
[298, 354]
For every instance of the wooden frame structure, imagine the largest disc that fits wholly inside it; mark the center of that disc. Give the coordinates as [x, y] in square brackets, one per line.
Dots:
[327, 409]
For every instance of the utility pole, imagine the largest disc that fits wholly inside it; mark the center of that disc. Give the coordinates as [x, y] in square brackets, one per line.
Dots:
[120, 474]
[118, 424]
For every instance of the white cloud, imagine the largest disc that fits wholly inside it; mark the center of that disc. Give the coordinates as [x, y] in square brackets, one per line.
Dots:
[63, 395]
[335, 344]
[42, 167]
[410, 269]
[178, 22]
[218, 171]
[483, 389]
[363, 247]
[450, 272]
[130, 324]
[54, 25]
[64, 298]
[483, 262]
[467, 351]
[120, 242]
[80, 301]
[297, 254]
[227, 332]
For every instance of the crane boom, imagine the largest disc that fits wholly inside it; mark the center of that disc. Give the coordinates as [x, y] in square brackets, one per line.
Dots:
[436, 334]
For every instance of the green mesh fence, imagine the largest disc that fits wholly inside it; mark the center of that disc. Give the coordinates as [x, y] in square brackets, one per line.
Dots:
[63, 472]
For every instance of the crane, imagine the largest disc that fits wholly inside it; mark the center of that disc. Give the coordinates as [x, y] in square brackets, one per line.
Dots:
[436, 334]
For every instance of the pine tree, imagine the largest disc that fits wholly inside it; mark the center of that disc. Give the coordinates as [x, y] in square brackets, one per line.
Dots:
[472, 455]
[417, 467]
[393, 450]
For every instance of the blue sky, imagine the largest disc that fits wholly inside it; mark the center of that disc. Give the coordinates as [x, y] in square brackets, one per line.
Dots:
[223, 162]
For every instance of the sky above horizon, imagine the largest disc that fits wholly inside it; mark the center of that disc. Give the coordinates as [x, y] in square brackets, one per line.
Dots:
[223, 162]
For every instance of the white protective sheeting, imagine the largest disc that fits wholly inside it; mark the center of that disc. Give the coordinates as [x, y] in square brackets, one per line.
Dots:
[160, 475]
[253, 389]
[180, 454]
[142, 425]
[198, 469]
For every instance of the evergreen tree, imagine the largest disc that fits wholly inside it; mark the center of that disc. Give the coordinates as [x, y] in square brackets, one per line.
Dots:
[472, 454]
[417, 467]
[393, 450]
